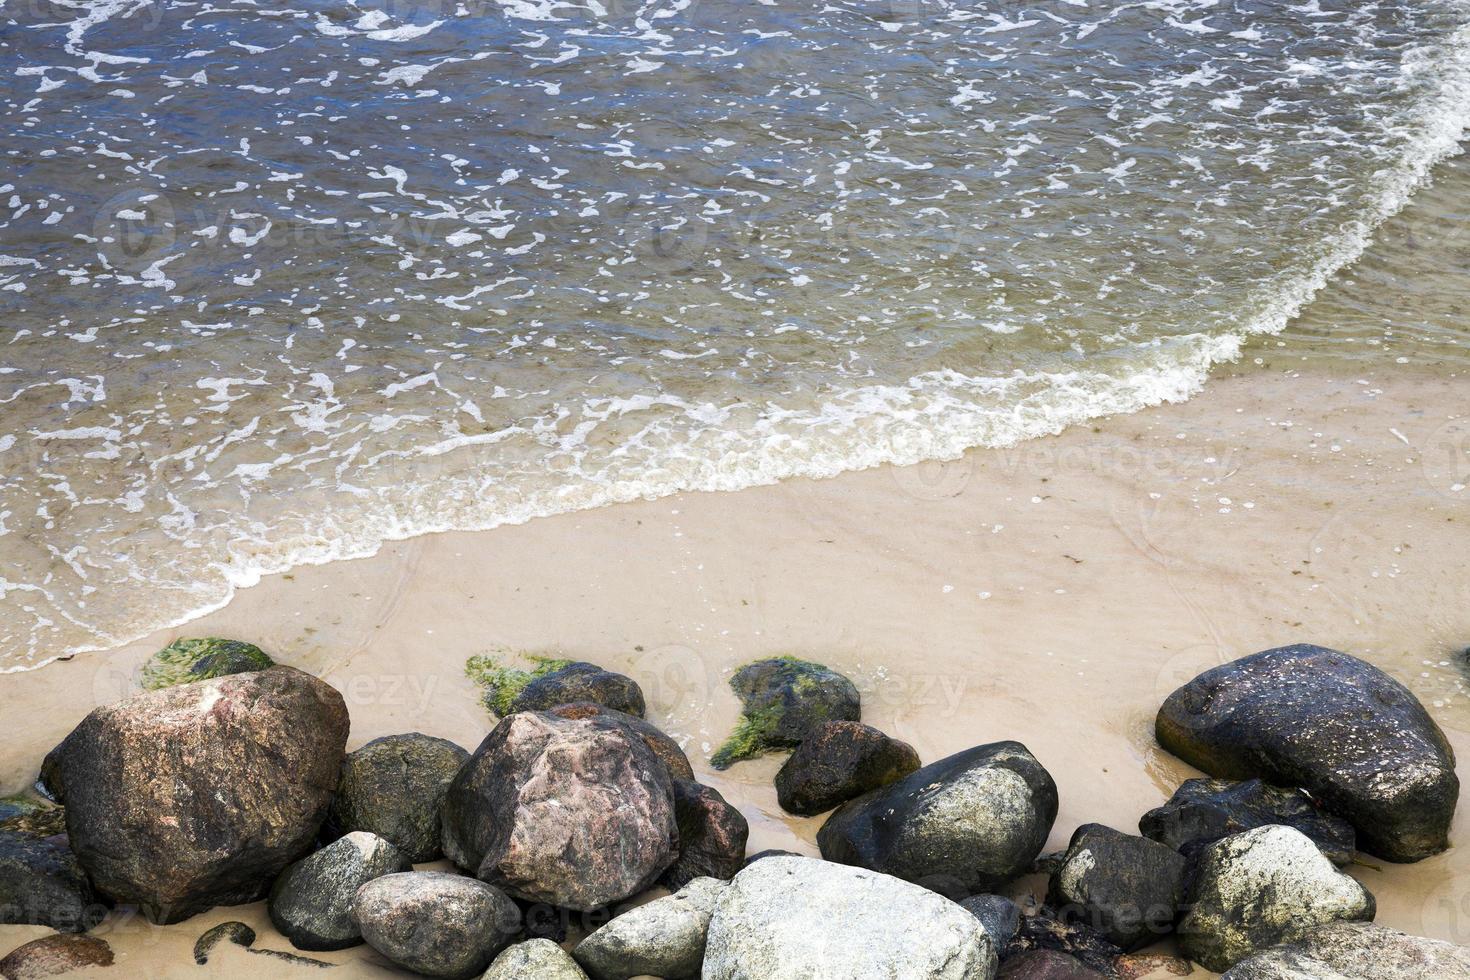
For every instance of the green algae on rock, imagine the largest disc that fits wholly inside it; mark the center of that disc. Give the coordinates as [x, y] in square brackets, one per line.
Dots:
[22, 814]
[503, 684]
[201, 658]
[785, 699]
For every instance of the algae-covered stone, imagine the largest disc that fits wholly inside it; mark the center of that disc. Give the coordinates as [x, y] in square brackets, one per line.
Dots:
[199, 659]
[36, 817]
[784, 700]
[503, 684]
[580, 682]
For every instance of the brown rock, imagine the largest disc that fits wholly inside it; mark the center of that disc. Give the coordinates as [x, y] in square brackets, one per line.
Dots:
[577, 813]
[54, 955]
[1047, 965]
[663, 746]
[712, 836]
[198, 795]
[841, 761]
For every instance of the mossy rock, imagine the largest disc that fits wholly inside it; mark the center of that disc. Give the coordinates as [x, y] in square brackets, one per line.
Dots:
[785, 699]
[199, 659]
[22, 814]
[503, 684]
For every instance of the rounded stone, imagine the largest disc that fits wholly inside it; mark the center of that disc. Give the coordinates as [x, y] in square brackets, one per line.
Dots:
[394, 787]
[311, 902]
[435, 923]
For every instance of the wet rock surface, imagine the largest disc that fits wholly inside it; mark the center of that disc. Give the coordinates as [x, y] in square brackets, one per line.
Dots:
[42, 884]
[1338, 727]
[1050, 931]
[784, 699]
[712, 836]
[1000, 916]
[198, 795]
[965, 824]
[1202, 811]
[1128, 888]
[837, 762]
[395, 787]
[237, 933]
[435, 923]
[1047, 965]
[311, 902]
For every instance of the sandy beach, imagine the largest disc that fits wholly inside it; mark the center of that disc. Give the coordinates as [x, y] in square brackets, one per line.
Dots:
[1053, 593]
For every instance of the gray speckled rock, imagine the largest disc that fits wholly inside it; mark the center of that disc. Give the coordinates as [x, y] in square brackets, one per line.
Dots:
[435, 923]
[664, 938]
[785, 918]
[1202, 811]
[538, 959]
[1356, 951]
[394, 787]
[1000, 916]
[311, 902]
[581, 682]
[1260, 888]
[964, 824]
[1047, 964]
[1128, 888]
[1340, 728]
[42, 884]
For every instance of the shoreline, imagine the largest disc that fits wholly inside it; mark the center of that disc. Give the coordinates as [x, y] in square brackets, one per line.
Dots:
[1053, 593]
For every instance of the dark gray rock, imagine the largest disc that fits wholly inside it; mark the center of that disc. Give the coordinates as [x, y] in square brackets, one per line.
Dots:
[1202, 811]
[712, 836]
[1049, 931]
[662, 745]
[664, 938]
[1045, 964]
[394, 787]
[1128, 888]
[1356, 951]
[784, 700]
[311, 902]
[840, 761]
[199, 794]
[1266, 886]
[434, 923]
[576, 813]
[226, 932]
[1340, 728]
[42, 884]
[581, 682]
[999, 915]
[964, 824]
[536, 959]
[53, 956]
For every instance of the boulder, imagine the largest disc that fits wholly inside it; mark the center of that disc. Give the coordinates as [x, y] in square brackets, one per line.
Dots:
[1046, 964]
[1356, 951]
[436, 923]
[1340, 728]
[784, 700]
[1263, 887]
[52, 956]
[664, 938]
[1128, 888]
[200, 659]
[662, 745]
[42, 884]
[999, 915]
[1050, 932]
[537, 959]
[581, 682]
[311, 902]
[712, 836]
[837, 762]
[1202, 811]
[198, 795]
[394, 787]
[576, 813]
[964, 824]
[786, 918]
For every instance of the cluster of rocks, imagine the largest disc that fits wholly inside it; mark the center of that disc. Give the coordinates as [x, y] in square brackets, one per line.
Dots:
[574, 811]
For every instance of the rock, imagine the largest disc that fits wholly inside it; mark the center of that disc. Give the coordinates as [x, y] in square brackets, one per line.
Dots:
[311, 902]
[1045, 964]
[49, 780]
[42, 884]
[1128, 888]
[538, 959]
[1341, 729]
[662, 745]
[1047, 931]
[581, 682]
[394, 787]
[226, 932]
[1263, 887]
[54, 955]
[1356, 951]
[436, 923]
[784, 699]
[787, 918]
[712, 836]
[664, 938]
[198, 795]
[1202, 811]
[837, 762]
[769, 852]
[502, 684]
[574, 813]
[999, 915]
[964, 824]
[186, 661]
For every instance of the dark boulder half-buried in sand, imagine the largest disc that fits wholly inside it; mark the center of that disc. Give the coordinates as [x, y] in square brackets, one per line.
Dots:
[1340, 728]
[581, 682]
[839, 761]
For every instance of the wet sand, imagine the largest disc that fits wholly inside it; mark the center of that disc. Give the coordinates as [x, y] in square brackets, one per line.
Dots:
[1054, 593]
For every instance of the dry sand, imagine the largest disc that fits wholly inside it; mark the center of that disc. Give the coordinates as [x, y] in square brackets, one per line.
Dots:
[1053, 593]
